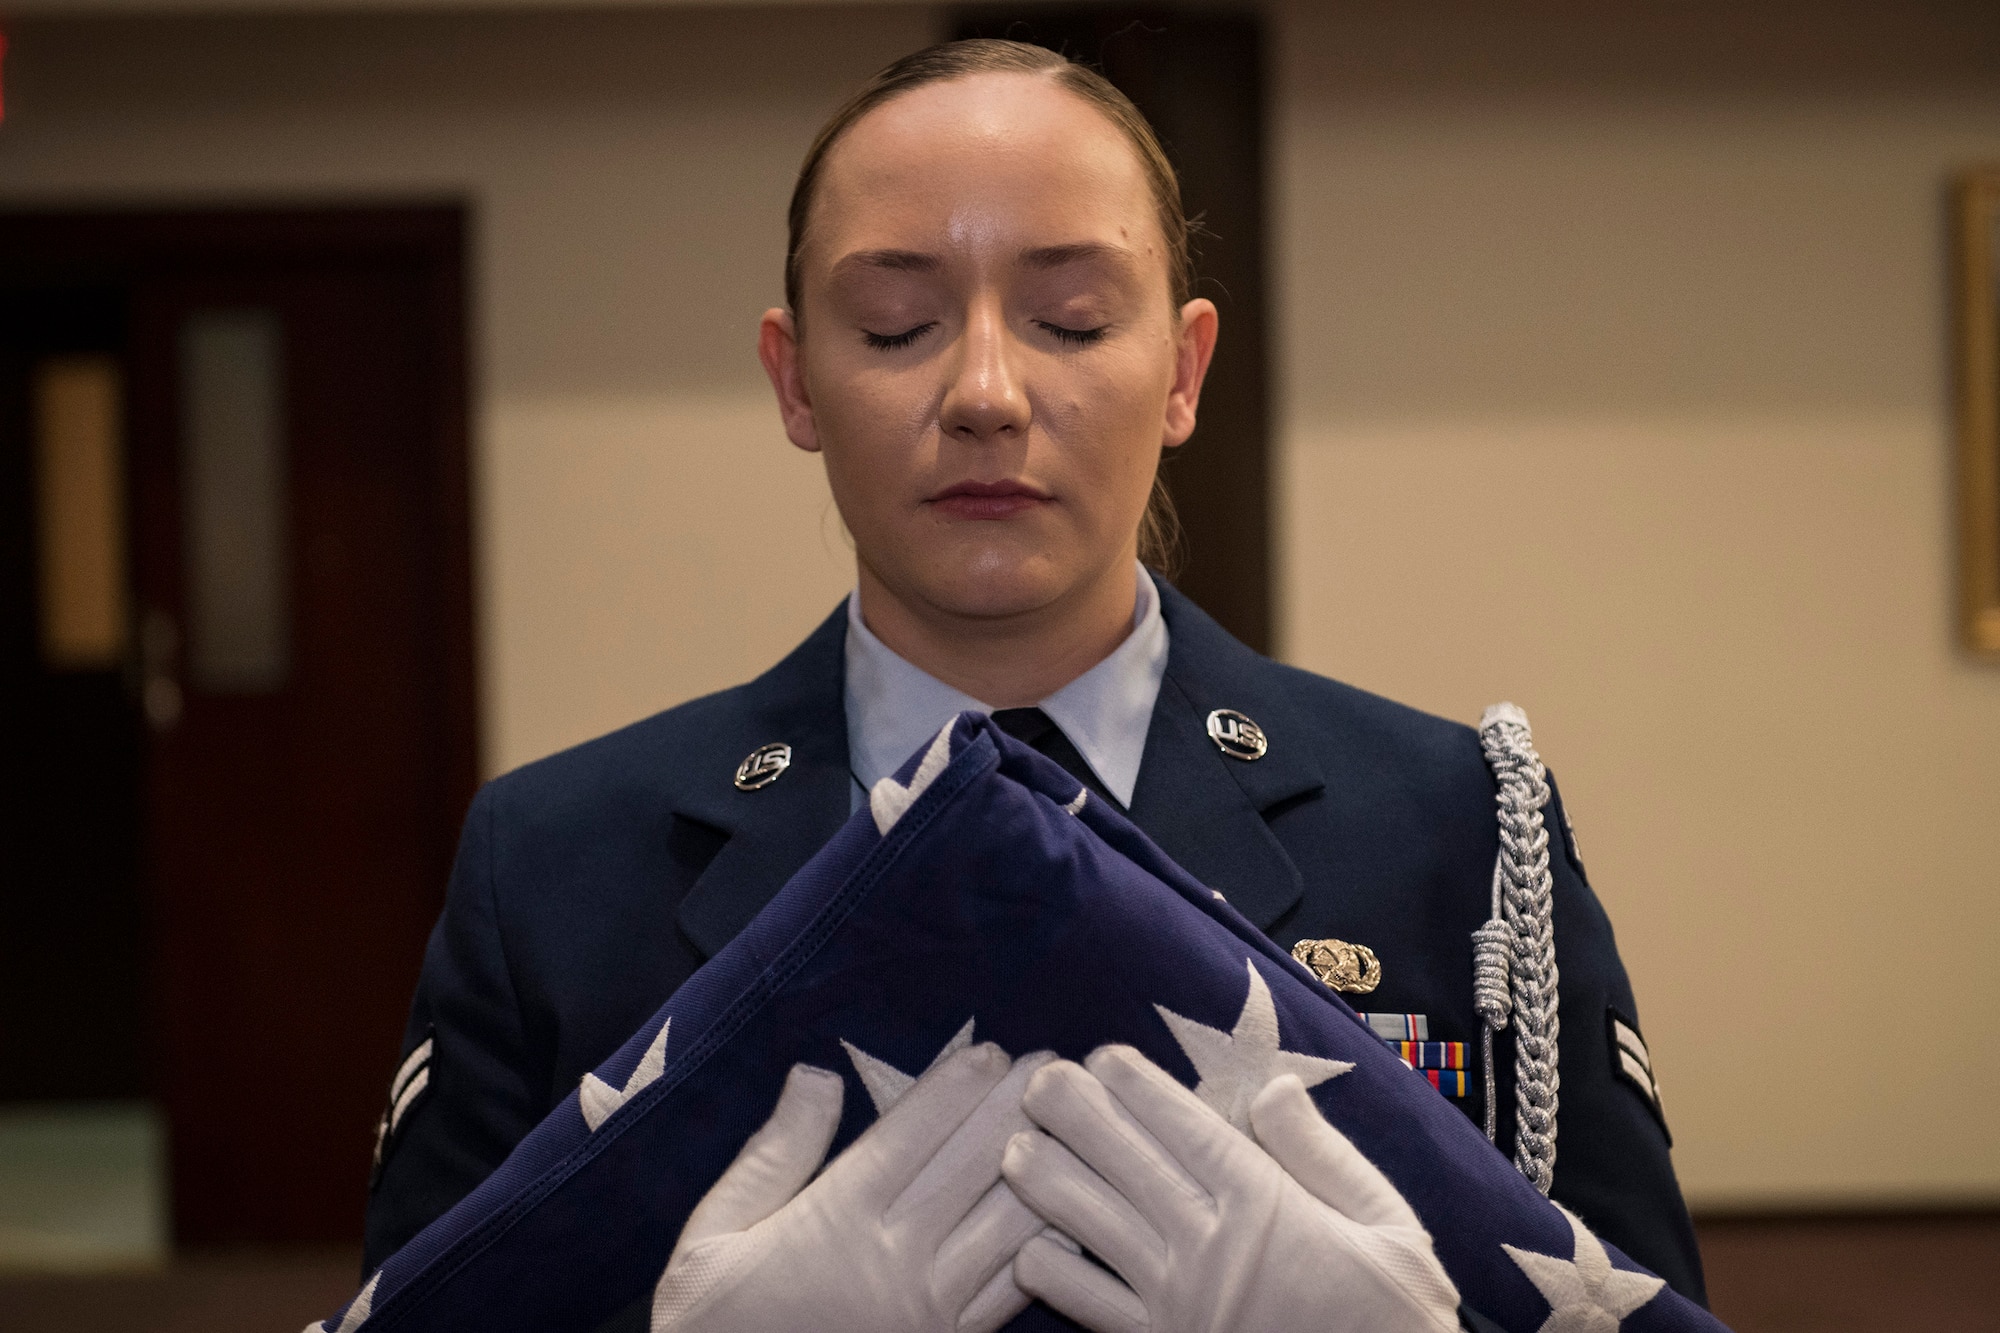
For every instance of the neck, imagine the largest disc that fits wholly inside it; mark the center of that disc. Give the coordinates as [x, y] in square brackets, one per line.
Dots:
[1008, 661]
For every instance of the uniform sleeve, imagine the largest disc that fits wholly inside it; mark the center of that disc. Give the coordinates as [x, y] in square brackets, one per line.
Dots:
[475, 1102]
[1613, 1166]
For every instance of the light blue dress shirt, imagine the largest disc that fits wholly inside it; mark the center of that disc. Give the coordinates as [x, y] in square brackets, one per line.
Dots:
[893, 707]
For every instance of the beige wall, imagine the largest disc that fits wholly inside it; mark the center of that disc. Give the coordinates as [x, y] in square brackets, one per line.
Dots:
[1613, 374]
[1616, 383]
[645, 532]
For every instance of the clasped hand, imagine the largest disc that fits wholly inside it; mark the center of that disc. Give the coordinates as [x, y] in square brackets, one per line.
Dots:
[959, 1204]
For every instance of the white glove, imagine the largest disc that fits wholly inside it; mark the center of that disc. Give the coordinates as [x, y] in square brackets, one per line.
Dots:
[1211, 1231]
[909, 1229]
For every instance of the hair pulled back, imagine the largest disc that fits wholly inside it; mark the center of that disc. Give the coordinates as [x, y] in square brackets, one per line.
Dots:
[1159, 529]
[987, 55]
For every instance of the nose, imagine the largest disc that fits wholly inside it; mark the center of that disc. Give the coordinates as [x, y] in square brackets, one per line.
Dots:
[984, 399]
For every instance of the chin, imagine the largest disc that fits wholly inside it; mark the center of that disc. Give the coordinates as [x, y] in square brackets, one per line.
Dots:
[992, 584]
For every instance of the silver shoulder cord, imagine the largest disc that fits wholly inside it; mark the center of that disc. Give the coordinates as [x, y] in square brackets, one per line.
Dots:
[1514, 976]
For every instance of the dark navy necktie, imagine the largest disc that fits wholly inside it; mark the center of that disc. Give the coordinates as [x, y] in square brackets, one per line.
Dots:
[1035, 729]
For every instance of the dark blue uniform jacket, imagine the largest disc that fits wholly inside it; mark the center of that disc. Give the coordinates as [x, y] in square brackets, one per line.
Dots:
[589, 885]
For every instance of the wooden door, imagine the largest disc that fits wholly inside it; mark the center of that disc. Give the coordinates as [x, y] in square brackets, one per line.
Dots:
[303, 646]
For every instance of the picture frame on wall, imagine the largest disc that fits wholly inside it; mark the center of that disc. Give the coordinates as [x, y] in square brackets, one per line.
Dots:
[1979, 408]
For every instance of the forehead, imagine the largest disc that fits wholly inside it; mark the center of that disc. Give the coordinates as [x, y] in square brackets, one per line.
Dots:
[1013, 158]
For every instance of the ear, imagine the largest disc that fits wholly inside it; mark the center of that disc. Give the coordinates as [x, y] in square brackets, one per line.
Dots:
[1194, 345]
[778, 349]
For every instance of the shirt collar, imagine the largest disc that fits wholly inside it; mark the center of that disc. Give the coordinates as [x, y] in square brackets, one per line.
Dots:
[894, 707]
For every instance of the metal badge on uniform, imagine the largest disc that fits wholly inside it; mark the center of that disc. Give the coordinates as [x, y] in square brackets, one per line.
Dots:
[763, 765]
[1236, 735]
[1631, 1061]
[1350, 968]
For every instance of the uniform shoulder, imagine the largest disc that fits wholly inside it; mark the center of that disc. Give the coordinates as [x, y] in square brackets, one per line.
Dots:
[641, 762]
[1358, 715]
[1363, 740]
[674, 758]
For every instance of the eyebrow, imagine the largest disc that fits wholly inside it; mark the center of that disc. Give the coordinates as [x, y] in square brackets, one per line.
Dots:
[1041, 257]
[1055, 256]
[897, 261]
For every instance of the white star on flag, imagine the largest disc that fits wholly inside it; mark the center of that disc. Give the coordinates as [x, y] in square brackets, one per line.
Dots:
[886, 1084]
[889, 799]
[1585, 1294]
[598, 1099]
[1234, 1066]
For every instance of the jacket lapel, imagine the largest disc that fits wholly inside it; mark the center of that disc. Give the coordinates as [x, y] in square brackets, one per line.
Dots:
[774, 830]
[1206, 810]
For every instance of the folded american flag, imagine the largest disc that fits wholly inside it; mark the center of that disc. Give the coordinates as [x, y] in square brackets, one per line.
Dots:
[982, 890]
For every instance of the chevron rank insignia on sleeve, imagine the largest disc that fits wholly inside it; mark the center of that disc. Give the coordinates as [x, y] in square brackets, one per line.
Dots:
[1631, 1061]
[413, 1079]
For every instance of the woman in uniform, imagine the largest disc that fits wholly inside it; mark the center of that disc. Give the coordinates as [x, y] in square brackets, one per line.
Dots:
[989, 339]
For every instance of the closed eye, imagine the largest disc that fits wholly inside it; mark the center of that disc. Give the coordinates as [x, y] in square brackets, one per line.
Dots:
[889, 342]
[1074, 337]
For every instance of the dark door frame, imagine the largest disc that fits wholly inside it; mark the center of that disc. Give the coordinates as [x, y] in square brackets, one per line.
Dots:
[124, 250]
[112, 248]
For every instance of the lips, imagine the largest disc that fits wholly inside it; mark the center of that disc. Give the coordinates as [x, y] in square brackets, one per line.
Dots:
[989, 500]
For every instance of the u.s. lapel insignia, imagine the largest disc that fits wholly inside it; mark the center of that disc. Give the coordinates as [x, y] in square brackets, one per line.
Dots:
[1236, 735]
[1351, 968]
[761, 767]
